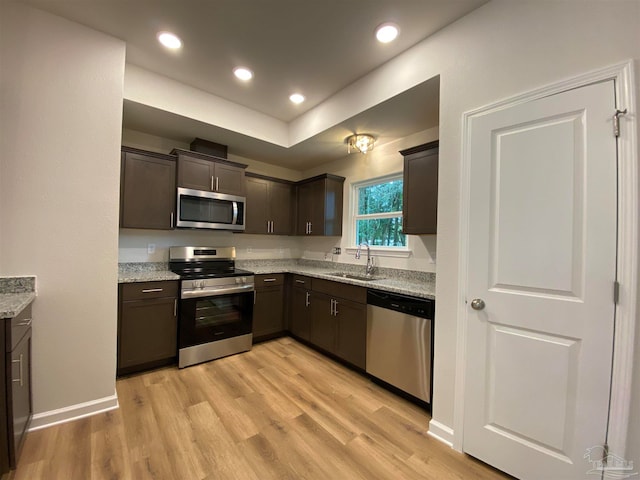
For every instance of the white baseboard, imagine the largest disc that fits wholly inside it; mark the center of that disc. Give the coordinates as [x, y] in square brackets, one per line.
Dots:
[441, 432]
[73, 412]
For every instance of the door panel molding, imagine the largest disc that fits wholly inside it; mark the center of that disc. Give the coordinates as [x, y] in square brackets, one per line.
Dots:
[627, 246]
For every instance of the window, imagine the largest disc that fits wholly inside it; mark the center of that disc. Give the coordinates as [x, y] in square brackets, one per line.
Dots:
[378, 212]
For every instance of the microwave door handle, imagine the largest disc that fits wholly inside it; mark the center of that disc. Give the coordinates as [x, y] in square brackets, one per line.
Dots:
[234, 220]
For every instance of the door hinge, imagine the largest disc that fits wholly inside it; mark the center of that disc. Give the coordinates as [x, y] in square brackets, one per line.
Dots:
[605, 454]
[616, 292]
[616, 121]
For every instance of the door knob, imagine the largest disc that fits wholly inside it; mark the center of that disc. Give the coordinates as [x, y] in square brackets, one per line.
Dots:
[477, 304]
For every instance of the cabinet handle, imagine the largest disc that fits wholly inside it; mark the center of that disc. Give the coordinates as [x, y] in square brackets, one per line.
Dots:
[151, 290]
[306, 301]
[310, 228]
[217, 184]
[25, 323]
[175, 307]
[269, 280]
[171, 220]
[332, 300]
[212, 183]
[335, 308]
[268, 225]
[271, 226]
[300, 281]
[255, 294]
[19, 380]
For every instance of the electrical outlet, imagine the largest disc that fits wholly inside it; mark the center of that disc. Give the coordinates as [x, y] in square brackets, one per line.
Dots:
[337, 250]
[151, 248]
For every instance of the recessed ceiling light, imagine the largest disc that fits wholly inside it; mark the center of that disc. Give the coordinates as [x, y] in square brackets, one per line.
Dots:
[296, 98]
[169, 40]
[387, 32]
[243, 73]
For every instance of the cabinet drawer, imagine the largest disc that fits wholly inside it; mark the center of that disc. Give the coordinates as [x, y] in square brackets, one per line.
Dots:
[20, 324]
[144, 290]
[302, 281]
[264, 280]
[340, 290]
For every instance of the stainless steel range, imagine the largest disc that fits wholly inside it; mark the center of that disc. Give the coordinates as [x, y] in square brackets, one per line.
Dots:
[216, 304]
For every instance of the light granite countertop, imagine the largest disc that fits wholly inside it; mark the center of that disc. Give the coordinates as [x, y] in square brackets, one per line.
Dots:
[405, 282]
[12, 304]
[16, 293]
[422, 286]
[145, 272]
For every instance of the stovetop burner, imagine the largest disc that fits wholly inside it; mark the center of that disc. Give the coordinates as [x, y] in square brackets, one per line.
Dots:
[204, 262]
[196, 273]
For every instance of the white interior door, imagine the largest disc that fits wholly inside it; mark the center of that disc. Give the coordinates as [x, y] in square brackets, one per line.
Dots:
[542, 258]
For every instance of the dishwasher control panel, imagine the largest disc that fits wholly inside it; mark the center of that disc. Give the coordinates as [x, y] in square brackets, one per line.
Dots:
[419, 307]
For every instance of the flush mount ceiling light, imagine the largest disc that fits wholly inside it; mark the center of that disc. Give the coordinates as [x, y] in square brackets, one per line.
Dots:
[243, 73]
[169, 40]
[387, 32]
[362, 142]
[297, 98]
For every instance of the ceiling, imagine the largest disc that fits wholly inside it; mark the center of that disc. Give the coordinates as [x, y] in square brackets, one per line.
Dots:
[316, 47]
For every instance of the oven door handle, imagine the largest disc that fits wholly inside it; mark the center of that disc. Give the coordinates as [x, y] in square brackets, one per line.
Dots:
[215, 292]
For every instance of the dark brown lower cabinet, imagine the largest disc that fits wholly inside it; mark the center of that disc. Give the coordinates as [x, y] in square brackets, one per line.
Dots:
[323, 323]
[15, 398]
[339, 320]
[352, 332]
[300, 321]
[147, 325]
[268, 310]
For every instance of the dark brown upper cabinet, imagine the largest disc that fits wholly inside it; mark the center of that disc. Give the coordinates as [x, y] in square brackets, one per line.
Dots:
[270, 203]
[420, 196]
[320, 205]
[199, 171]
[147, 189]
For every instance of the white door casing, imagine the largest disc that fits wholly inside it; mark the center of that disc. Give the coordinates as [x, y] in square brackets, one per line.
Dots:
[542, 256]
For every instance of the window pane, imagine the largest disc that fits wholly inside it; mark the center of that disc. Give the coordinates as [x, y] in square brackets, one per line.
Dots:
[380, 198]
[386, 232]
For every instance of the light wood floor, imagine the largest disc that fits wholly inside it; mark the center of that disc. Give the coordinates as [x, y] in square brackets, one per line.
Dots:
[281, 411]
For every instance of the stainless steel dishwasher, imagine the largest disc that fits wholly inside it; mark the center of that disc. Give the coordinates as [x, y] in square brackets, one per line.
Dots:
[400, 342]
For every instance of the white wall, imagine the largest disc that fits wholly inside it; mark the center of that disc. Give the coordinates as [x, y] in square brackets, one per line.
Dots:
[163, 93]
[500, 50]
[153, 143]
[61, 108]
[133, 244]
[382, 160]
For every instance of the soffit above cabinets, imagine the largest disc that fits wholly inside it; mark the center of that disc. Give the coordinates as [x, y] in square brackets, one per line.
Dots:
[315, 47]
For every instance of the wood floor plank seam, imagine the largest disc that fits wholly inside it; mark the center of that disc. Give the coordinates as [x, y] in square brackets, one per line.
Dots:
[281, 411]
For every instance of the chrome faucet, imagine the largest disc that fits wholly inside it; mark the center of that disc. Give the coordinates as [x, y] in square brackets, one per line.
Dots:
[369, 270]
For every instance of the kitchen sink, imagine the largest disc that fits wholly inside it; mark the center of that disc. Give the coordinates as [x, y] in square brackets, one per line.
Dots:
[350, 276]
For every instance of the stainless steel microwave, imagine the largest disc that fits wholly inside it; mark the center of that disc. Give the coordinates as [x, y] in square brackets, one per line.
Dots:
[210, 210]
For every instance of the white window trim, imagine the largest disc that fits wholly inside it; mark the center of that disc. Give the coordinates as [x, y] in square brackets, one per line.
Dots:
[396, 252]
[378, 251]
